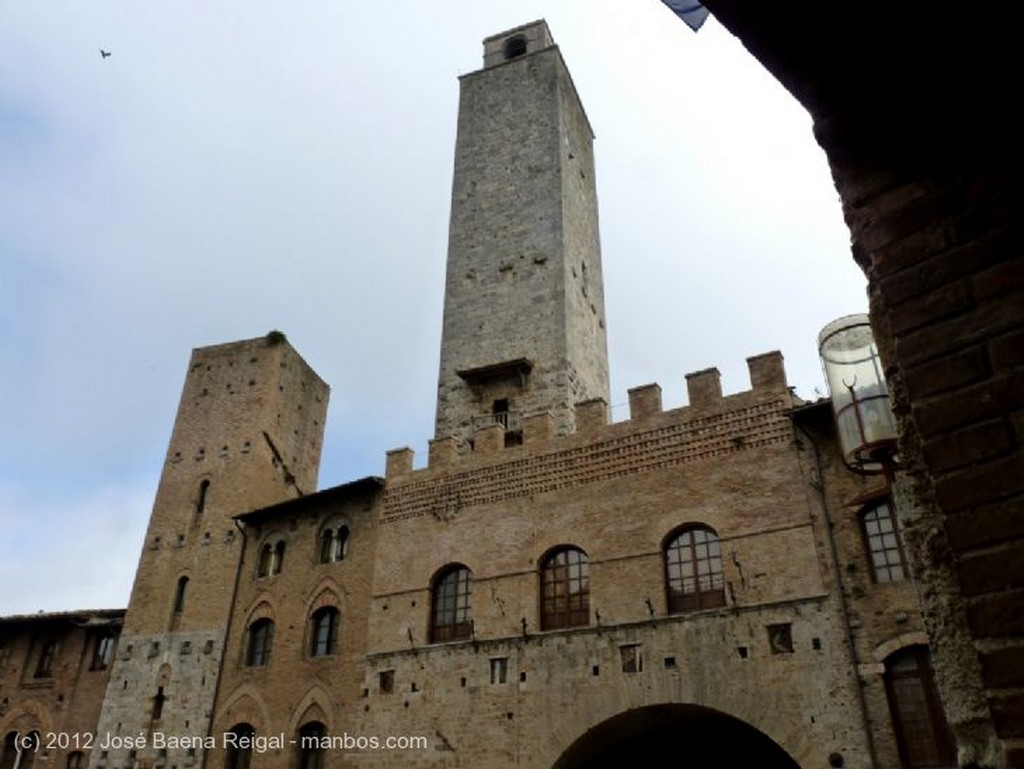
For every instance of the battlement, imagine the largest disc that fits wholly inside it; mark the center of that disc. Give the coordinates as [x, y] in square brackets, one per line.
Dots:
[713, 417]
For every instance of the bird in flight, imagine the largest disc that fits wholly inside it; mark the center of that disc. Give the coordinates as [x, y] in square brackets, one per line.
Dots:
[104, 54]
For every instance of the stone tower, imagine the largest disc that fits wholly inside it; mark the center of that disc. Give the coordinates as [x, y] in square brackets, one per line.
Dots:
[248, 433]
[524, 327]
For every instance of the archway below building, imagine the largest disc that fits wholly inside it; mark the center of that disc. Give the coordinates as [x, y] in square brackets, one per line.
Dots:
[685, 735]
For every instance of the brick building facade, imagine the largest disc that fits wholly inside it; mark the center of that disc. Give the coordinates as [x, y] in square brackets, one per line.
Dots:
[550, 589]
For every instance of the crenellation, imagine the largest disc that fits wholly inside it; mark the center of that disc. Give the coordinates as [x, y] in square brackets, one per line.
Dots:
[399, 462]
[767, 372]
[489, 439]
[538, 429]
[591, 416]
[443, 452]
[704, 388]
[680, 436]
[644, 402]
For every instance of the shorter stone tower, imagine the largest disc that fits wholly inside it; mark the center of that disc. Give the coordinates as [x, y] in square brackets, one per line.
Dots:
[524, 302]
[248, 434]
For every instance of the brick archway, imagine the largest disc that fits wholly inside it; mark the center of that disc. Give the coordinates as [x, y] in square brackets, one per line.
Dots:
[671, 735]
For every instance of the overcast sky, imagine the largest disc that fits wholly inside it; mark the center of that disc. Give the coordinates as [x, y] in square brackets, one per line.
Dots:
[237, 167]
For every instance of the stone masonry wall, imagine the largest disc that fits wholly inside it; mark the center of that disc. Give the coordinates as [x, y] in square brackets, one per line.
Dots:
[247, 434]
[617, 492]
[519, 229]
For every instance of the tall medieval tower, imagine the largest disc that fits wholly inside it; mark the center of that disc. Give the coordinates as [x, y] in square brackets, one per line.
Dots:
[524, 327]
[248, 434]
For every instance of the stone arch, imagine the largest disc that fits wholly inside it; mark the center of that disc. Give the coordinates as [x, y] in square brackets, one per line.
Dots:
[262, 608]
[315, 705]
[326, 593]
[243, 705]
[882, 652]
[696, 735]
[27, 716]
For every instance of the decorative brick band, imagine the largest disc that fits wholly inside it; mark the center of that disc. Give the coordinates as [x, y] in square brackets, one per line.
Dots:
[692, 440]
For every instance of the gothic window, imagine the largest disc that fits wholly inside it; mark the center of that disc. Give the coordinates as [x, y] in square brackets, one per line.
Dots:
[47, 658]
[323, 635]
[564, 589]
[238, 744]
[921, 731]
[883, 542]
[693, 570]
[450, 618]
[261, 636]
[334, 544]
[271, 559]
[310, 745]
[76, 760]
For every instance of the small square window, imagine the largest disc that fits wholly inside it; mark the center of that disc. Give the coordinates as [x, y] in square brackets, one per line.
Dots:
[780, 638]
[499, 670]
[632, 659]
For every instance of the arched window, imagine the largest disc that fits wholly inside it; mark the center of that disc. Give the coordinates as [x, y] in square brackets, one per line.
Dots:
[693, 570]
[238, 746]
[921, 731]
[271, 559]
[564, 589]
[450, 617]
[179, 595]
[76, 760]
[310, 745]
[515, 46]
[323, 631]
[883, 541]
[266, 559]
[261, 637]
[334, 544]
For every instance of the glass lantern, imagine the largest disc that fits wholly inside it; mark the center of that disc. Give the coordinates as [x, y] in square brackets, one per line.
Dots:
[860, 398]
